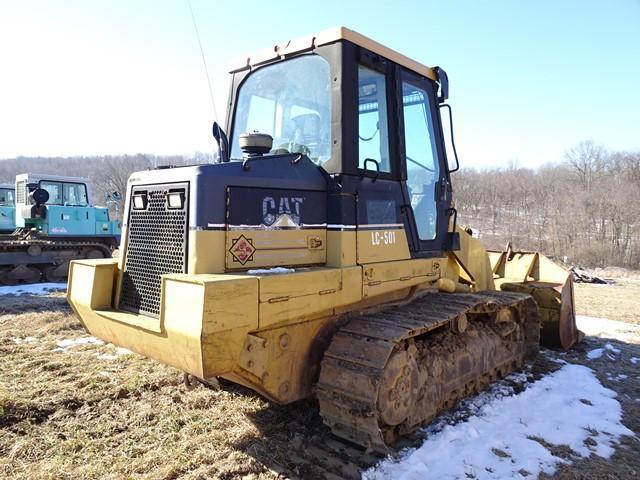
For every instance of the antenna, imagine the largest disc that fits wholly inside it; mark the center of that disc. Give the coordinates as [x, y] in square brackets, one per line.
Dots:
[204, 62]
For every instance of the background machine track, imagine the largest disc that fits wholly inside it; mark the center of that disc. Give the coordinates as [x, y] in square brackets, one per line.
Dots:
[31, 260]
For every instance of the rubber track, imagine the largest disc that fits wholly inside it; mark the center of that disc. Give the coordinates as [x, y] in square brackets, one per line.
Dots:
[353, 364]
[9, 244]
[6, 245]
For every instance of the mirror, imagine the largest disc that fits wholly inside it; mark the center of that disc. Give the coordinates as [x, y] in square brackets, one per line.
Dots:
[443, 81]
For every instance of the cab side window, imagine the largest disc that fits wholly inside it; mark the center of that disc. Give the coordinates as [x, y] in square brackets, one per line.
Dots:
[6, 196]
[423, 169]
[55, 192]
[373, 130]
[75, 194]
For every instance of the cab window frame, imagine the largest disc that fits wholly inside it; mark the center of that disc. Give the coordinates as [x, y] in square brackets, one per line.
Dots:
[243, 78]
[377, 63]
[428, 247]
[335, 57]
[66, 187]
[62, 184]
[7, 199]
[43, 183]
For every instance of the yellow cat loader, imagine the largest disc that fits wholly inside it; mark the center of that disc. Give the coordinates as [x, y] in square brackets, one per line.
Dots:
[322, 255]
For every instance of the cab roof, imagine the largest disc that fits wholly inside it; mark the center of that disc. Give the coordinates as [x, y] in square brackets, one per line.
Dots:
[37, 177]
[7, 185]
[323, 38]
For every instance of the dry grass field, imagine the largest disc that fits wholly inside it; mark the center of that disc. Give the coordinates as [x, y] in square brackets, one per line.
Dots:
[72, 410]
[620, 301]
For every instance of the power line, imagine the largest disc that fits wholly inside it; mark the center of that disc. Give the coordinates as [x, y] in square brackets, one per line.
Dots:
[204, 62]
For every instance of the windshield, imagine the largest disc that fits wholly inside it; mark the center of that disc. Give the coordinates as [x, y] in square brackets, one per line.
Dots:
[6, 196]
[291, 101]
[63, 193]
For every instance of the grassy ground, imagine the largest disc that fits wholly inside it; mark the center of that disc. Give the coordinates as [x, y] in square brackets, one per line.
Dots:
[620, 301]
[88, 412]
[72, 414]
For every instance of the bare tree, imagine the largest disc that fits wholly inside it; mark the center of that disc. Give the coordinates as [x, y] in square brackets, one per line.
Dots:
[586, 160]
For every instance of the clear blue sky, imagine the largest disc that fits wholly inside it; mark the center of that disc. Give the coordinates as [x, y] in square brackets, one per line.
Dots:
[528, 79]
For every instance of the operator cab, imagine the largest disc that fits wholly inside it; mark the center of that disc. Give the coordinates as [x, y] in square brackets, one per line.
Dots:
[369, 117]
[7, 195]
[46, 203]
[7, 208]
[62, 190]
[60, 206]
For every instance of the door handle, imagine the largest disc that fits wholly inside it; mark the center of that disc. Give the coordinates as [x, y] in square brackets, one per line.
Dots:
[364, 168]
[440, 195]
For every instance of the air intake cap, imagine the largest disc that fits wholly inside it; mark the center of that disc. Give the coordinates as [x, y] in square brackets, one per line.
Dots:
[255, 143]
[39, 196]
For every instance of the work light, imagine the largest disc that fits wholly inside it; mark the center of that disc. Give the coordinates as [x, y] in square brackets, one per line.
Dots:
[140, 201]
[175, 200]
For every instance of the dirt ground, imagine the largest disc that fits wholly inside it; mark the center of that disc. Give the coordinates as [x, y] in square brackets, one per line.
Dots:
[91, 411]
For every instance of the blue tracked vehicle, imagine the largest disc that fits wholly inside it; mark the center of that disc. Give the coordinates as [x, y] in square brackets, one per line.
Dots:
[54, 223]
[7, 208]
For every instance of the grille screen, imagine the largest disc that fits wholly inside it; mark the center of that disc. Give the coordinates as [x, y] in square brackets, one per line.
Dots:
[156, 246]
[21, 196]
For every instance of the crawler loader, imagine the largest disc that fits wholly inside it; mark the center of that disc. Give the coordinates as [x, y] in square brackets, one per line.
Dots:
[322, 255]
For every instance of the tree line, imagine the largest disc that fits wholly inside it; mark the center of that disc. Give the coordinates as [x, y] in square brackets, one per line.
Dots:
[107, 174]
[584, 211]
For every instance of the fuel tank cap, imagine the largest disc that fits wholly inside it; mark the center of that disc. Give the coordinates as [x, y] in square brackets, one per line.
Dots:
[255, 143]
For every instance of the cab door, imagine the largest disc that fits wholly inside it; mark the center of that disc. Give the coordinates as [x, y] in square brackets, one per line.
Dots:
[426, 189]
[381, 226]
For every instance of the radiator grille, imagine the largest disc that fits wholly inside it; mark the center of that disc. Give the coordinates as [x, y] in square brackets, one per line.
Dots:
[157, 243]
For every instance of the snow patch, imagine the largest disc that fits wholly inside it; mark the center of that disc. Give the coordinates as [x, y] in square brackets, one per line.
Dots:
[603, 327]
[595, 353]
[106, 356]
[23, 340]
[611, 348]
[67, 343]
[270, 271]
[112, 356]
[566, 407]
[616, 378]
[551, 356]
[33, 289]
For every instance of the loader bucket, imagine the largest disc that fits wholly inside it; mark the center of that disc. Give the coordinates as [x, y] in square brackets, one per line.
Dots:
[550, 285]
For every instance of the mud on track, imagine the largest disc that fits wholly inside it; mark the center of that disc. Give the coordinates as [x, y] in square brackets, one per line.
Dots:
[87, 410]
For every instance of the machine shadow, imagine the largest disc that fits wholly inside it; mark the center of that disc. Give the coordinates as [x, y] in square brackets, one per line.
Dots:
[294, 442]
[20, 304]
